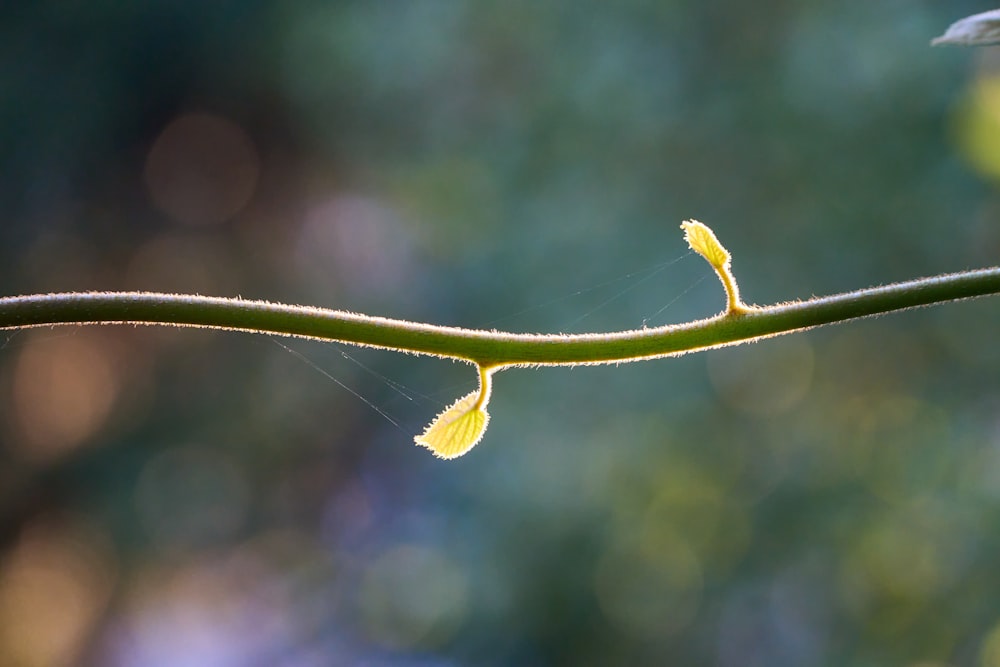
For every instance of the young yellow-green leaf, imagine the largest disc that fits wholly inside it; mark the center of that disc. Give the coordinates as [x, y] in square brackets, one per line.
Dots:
[456, 430]
[702, 240]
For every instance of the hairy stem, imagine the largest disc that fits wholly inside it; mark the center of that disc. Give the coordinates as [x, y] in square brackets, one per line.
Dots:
[489, 349]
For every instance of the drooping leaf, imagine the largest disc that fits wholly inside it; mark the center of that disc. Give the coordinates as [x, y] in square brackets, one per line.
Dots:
[456, 430]
[976, 30]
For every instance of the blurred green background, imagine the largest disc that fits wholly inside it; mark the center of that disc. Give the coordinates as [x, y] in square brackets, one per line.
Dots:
[194, 498]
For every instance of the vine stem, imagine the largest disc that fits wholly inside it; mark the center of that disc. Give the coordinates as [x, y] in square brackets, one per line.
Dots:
[488, 349]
